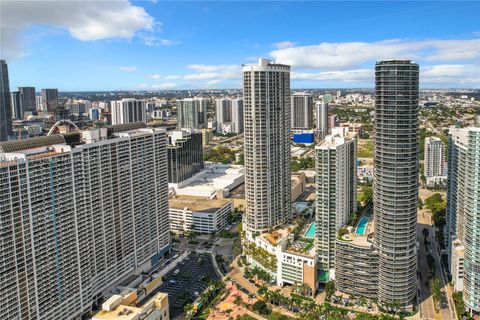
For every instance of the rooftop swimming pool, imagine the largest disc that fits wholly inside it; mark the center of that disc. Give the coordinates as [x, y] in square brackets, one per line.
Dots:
[311, 231]
[301, 206]
[362, 226]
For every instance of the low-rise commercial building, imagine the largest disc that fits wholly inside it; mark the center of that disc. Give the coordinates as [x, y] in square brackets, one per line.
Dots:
[298, 185]
[196, 214]
[288, 261]
[353, 128]
[215, 180]
[122, 307]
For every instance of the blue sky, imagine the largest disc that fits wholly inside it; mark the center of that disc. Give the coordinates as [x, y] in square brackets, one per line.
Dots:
[112, 45]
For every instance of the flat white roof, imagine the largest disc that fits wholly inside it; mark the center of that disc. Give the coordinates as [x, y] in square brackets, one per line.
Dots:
[208, 181]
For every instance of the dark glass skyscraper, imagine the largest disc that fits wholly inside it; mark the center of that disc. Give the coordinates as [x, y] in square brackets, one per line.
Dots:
[49, 100]
[17, 105]
[5, 106]
[28, 98]
[395, 187]
[184, 155]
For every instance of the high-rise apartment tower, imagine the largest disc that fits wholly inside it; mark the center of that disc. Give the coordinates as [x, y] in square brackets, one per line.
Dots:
[5, 104]
[79, 213]
[336, 189]
[463, 208]
[128, 110]
[301, 110]
[192, 113]
[434, 162]
[395, 185]
[223, 112]
[266, 98]
[237, 115]
[321, 119]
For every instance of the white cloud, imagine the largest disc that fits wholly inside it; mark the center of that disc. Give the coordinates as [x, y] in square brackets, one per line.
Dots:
[346, 75]
[127, 68]
[84, 20]
[221, 71]
[215, 67]
[143, 85]
[284, 44]
[155, 76]
[153, 41]
[172, 77]
[167, 85]
[447, 74]
[344, 55]
[213, 82]
[451, 74]
[201, 76]
[451, 50]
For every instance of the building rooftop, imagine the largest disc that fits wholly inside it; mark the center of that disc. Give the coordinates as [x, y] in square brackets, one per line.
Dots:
[361, 234]
[213, 178]
[73, 138]
[37, 142]
[458, 248]
[302, 247]
[339, 136]
[125, 312]
[394, 61]
[197, 204]
[276, 236]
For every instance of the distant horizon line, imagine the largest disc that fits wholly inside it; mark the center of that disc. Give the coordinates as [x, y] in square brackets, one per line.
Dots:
[226, 89]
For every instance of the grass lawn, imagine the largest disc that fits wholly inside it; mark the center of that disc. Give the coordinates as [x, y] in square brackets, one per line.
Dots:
[365, 148]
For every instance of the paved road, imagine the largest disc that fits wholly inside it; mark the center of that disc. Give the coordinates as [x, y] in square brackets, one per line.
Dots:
[427, 304]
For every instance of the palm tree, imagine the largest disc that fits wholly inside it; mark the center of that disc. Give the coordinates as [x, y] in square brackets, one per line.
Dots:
[304, 288]
[275, 297]
[352, 298]
[238, 300]
[262, 291]
[292, 302]
[362, 302]
[188, 308]
[396, 306]
[312, 306]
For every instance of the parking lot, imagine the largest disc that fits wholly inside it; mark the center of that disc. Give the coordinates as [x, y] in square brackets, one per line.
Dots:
[186, 282]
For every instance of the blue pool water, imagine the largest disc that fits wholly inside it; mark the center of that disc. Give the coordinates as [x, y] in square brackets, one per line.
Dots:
[361, 226]
[311, 231]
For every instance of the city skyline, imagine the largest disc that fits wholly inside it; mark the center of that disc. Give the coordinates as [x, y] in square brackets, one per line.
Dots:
[246, 160]
[154, 51]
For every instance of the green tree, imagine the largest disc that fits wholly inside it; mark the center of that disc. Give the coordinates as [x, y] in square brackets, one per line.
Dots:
[238, 300]
[437, 206]
[420, 204]
[261, 308]
[329, 288]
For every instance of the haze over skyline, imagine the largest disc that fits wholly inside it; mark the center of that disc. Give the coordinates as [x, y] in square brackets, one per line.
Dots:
[121, 45]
